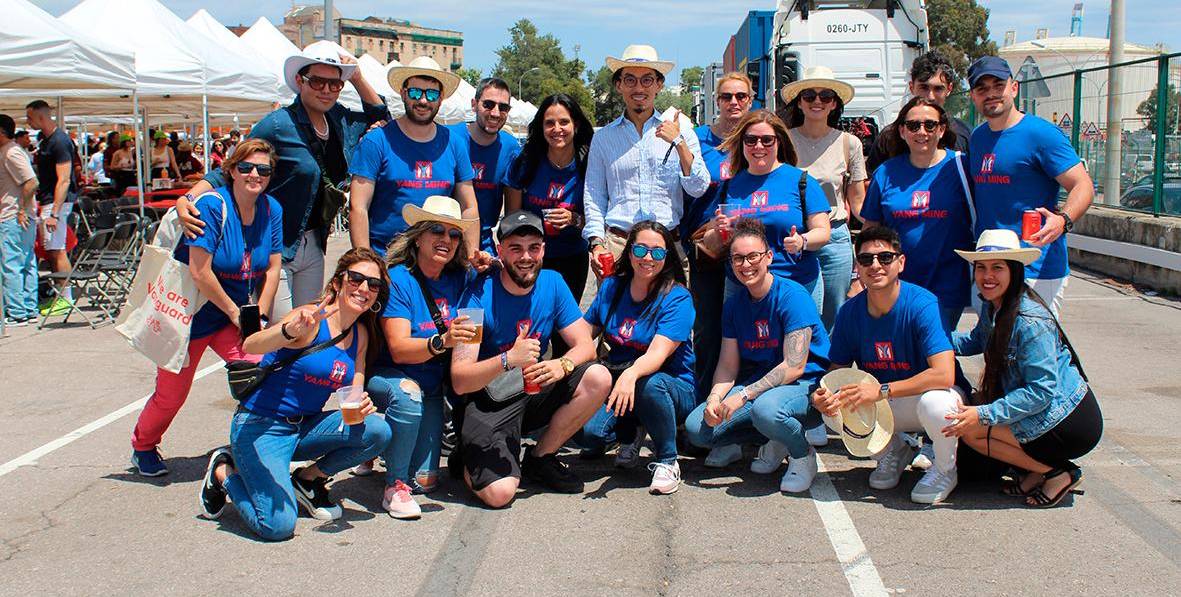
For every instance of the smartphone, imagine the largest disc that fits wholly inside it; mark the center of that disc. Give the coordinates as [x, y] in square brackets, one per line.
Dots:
[249, 320]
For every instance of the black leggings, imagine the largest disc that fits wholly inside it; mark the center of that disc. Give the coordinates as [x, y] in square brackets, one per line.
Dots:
[574, 270]
[1071, 438]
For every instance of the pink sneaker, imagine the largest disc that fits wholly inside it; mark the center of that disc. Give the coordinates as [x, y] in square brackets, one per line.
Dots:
[399, 503]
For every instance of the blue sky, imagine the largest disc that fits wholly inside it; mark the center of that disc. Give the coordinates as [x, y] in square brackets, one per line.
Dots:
[689, 32]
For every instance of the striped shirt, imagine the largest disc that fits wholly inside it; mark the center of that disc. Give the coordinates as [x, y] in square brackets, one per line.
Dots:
[628, 180]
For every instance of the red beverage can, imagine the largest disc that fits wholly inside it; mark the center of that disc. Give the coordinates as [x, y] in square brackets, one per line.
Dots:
[1031, 222]
[607, 264]
[530, 388]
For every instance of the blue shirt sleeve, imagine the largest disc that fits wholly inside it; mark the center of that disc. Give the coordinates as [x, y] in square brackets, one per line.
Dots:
[871, 209]
[401, 303]
[209, 205]
[815, 201]
[842, 349]
[598, 307]
[675, 320]
[1056, 155]
[366, 161]
[929, 328]
[276, 225]
[463, 160]
[568, 311]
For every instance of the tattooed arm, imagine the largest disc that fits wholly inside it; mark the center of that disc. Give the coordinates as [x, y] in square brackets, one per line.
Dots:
[795, 356]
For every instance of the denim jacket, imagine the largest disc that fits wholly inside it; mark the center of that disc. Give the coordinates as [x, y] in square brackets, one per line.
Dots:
[297, 176]
[1041, 385]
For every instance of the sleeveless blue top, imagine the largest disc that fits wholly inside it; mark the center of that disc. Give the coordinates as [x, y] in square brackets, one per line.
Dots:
[305, 385]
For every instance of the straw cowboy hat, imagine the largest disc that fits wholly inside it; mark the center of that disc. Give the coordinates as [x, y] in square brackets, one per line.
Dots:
[438, 208]
[423, 66]
[818, 76]
[866, 429]
[1001, 244]
[639, 55]
[316, 53]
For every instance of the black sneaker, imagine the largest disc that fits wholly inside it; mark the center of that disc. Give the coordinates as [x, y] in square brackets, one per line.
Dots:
[213, 493]
[550, 471]
[313, 496]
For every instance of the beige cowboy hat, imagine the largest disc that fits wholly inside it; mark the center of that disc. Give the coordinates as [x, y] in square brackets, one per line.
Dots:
[818, 76]
[640, 55]
[438, 208]
[423, 66]
[866, 429]
[1001, 244]
[317, 53]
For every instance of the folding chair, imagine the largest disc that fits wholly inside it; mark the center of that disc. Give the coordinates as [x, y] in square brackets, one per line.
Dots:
[117, 260]
[85, 275]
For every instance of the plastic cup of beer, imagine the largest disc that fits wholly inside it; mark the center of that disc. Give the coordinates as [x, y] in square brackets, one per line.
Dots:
[351, 398]
[476, 318]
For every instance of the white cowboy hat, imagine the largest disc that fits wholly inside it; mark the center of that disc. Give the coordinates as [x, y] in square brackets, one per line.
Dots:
[639, 55]
[1001, 244]
[438, 208]
[423, 66]
[866, 429]
[818, 76]
[316, 53]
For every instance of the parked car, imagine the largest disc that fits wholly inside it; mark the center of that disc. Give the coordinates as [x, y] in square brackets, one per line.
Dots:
[1139, 197]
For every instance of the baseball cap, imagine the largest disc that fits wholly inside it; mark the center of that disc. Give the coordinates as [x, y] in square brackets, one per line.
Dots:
[8, 125]
[519, 221]
[989, 66]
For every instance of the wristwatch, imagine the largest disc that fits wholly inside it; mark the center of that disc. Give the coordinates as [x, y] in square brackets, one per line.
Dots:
[1067, 223]
[435, 345]
[884, 391]
[567, 365]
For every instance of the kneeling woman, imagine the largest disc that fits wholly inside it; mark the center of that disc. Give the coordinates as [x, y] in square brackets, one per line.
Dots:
[776, 349]
[645, 314]
[1034, 409]
[284, 420]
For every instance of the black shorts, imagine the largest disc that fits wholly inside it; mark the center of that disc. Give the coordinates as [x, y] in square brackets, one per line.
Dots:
[1072, 437]
[490, 438]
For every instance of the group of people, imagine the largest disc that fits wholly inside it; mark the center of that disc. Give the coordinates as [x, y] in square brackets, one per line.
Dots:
[724, 263]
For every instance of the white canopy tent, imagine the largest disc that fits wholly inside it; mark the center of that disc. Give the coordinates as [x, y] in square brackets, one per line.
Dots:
[272, 48]
[41, 54]
[205, 23]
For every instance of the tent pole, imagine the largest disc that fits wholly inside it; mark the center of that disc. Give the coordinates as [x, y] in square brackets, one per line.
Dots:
[205, 130]
[139, 147]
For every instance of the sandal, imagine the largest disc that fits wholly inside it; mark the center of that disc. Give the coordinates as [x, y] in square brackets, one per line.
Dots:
[1012, 487]
[1039, 499]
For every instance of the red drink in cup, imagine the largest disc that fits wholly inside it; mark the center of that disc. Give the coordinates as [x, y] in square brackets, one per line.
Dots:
[1031, 222]
[531, 388]
[550, 229]
[606, 263]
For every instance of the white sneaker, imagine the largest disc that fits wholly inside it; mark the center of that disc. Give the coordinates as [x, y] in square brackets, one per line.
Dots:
[666, 478]
[628, 455]
[771, 455]
[800, 473]
[723, 456]
[934, 487]
[926, 458]
[399, 503]
[890, 467]
[364, 469]
[817, 436]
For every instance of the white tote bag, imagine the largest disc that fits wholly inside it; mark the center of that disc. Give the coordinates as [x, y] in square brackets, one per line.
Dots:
[157, 319]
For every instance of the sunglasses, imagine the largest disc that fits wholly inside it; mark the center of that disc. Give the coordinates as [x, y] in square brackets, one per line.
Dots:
[489, 104]
[766, 140]
[642, 251]
[927, 125]
[356, 278]
[441, 230]
[884, 258]
[319, 83]
[263, 169]
[740, 96]
[751, 258]
[645, 81]
[417, 93]
[826, 95]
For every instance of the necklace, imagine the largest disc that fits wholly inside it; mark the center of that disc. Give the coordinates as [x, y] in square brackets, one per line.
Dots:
[322, 135]
[812, 144]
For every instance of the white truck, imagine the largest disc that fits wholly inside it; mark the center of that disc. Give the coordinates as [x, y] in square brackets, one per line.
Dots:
[869, 44]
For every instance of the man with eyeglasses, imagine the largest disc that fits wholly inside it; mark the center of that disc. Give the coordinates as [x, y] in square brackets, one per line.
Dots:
[313, 139]
[892, 331]
[629, 175]
[409, 159]
[492, 151]
[932, 77]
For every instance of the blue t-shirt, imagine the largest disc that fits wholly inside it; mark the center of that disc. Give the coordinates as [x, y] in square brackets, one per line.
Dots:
[760, 327]
[896, 345]
[701, 210]
[304, 387]
[407, 302]
[490, 166]
[405, 172]
[241, 254]
[1014, 170]
[546, 309]
[774, 198]
[630, 330]
[929, 209]
[553, 188]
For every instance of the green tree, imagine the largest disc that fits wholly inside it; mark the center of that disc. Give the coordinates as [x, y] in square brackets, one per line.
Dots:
[471, 75]
[608, 103]
[959, 30]
[1147, 109]
[691, 77]
[528, 49]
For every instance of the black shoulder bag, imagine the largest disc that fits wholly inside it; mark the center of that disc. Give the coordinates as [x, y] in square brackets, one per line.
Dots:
[332, 196]
[603, 351]
[245, 376]
[444, 358]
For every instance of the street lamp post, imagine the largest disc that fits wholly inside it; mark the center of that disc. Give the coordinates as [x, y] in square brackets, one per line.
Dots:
[521, 82]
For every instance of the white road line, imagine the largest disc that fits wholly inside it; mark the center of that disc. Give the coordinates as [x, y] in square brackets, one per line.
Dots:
[860, 573]
[31, 457]
[1101, 298]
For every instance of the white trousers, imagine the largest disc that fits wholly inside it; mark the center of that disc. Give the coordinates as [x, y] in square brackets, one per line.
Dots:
[927, 412]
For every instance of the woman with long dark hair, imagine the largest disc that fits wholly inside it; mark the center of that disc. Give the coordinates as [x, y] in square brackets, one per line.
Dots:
[922, 193]
[645, 315]
[1034, 409]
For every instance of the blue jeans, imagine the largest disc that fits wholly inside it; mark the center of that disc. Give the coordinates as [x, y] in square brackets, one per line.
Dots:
[263, 449]
[416, 421]
[662, 402]
[781, 414]
[836, 274]
[20, 269]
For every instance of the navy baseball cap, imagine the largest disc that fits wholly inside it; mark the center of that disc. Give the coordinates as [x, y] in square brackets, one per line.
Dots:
[519, 222]
[989, 66]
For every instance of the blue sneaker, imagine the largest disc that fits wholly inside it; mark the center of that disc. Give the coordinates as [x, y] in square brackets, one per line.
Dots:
[148, 463]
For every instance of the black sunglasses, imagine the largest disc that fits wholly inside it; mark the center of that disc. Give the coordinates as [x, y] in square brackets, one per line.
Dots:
[441, 230]
[417, 93]
[489, 104]
[825, 95]
[319, 83]
[740, 96]
[884, 258]
[355, 278]
[263, 169]
[928, 125]
[766, 140]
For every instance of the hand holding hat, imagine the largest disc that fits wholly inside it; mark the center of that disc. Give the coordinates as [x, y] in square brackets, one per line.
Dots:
[849, 404]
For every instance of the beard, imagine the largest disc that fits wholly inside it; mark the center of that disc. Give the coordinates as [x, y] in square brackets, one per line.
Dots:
[416, 120]
[521, 279]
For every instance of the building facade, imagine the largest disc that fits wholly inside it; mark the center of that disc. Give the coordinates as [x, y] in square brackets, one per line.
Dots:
[304, 25]
[388, 40]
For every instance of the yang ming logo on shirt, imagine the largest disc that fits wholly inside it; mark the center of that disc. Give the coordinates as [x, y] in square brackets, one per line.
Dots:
[479, 169]
[444, 308]
[987, 163]
[762, 329]
[339, 369]
[556, 191]
[627, 328]
[920, 200]
[884, 350]
[724, 170]
[423, 169]
[758, 199]
[246, 269]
